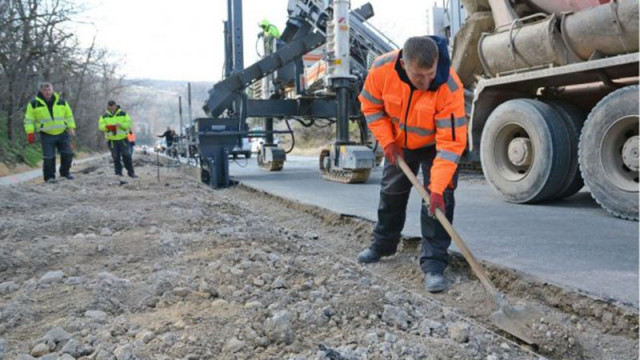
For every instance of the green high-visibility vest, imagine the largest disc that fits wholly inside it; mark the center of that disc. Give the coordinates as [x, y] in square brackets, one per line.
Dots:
[271, 30]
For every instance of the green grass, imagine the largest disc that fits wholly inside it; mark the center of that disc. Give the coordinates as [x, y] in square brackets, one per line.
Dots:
[17, 151]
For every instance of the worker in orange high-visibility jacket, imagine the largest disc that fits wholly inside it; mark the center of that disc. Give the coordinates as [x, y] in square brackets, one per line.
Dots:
[132, 140]
[413, 102]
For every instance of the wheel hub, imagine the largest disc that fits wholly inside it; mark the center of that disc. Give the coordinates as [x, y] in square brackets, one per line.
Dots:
[619, 153]
[630, 153]
[519, 151]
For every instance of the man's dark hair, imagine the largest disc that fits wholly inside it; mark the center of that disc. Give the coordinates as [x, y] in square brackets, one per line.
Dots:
[421, 50]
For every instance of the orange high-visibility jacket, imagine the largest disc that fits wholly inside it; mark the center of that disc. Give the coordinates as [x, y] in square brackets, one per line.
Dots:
[413, 119]
[131, 137]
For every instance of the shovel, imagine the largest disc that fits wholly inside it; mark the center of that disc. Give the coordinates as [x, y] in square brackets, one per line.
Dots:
[510, 319]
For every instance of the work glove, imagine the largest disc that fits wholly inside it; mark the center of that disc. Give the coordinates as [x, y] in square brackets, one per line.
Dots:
[31, 138]
[437, 202]
[391, 152]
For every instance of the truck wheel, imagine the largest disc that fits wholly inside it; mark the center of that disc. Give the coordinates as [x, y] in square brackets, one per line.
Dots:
[608, 153]
[524, 151]
[573, 119]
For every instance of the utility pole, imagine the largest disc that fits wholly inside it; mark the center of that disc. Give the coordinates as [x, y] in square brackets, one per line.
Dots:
[180, 112]
[189, 103]
[190, 136]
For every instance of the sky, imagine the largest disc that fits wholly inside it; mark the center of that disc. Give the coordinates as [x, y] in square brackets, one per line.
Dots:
[184, 41]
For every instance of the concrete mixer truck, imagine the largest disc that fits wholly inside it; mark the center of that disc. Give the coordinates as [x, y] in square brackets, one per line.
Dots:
[553, 86]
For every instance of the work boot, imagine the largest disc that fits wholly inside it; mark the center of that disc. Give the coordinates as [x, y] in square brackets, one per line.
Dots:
[51, 181]
[69, 177]
[65, 164]
[435, 282]
[133, 176]
[368, 256]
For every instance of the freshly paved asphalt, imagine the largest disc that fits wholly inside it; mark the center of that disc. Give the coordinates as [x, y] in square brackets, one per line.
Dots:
[572, 243]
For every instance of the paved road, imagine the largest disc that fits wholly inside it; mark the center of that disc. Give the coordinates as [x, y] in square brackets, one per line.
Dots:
[34, 174]
[571, 243]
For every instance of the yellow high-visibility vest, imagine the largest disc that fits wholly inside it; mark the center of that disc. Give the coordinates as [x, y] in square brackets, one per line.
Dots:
[119, 117]
[38, 117]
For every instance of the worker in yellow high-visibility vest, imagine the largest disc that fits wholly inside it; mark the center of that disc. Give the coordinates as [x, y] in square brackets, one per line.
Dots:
[51, 116]
[115, 123]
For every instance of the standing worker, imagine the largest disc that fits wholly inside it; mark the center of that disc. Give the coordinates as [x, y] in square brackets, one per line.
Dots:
[271, 35]
[115, 123]
[52, 117]
[169, 136]
[414, 105]
[132, 140]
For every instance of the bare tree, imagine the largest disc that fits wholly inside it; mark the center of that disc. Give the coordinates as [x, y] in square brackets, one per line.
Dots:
[29, 34]
[35, 46]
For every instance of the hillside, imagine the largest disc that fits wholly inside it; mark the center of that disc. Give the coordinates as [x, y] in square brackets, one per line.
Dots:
[153, 105]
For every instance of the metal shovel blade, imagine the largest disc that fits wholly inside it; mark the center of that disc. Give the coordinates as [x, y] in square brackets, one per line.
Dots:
[516, 321]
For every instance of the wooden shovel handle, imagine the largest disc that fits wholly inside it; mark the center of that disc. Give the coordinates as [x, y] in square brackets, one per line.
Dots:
[477, 269]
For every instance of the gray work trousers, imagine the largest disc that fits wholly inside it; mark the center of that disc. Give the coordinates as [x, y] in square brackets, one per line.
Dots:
[394, 194]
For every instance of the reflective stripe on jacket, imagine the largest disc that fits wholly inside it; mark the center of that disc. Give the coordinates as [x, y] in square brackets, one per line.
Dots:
[38, 118]
[119, 117]
[413, 119]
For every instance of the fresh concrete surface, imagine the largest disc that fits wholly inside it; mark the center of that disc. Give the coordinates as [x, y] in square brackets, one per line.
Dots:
[571, 243]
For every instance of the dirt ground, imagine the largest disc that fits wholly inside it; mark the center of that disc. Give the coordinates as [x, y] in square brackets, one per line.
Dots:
[100, 269]
[12, 169]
